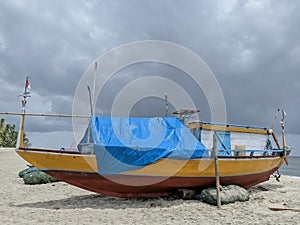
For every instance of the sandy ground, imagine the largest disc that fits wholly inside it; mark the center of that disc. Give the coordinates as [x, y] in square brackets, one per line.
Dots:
[60, 203]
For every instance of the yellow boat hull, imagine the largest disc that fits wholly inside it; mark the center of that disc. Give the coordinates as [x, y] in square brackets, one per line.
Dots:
[157, 179]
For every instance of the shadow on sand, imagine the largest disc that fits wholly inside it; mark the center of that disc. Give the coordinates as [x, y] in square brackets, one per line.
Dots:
[96, 201]
[265, 187]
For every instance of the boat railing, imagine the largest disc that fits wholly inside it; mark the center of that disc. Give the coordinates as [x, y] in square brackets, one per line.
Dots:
[249, 152]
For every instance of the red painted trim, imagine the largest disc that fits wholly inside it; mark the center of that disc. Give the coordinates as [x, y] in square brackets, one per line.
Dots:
[163, 187]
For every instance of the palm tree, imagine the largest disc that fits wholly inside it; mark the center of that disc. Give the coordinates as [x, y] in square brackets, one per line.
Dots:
[9, 136]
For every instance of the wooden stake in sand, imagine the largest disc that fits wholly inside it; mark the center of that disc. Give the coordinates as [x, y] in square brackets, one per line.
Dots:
[215, 150]
[281, 209]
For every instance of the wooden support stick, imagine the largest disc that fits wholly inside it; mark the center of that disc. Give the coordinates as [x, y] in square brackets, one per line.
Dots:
[217, 170]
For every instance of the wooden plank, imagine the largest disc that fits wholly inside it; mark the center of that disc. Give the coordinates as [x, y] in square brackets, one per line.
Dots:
[228, 128]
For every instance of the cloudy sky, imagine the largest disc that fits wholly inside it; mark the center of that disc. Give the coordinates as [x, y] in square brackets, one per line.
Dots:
[253, 48]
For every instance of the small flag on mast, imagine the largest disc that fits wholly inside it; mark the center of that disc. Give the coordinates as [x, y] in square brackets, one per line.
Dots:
[27, 86]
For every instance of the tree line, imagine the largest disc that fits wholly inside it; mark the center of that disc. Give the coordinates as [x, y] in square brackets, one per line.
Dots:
[9, 135]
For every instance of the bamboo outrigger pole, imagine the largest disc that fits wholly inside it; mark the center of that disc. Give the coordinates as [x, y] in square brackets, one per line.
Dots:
[20, 142]
[25, 95]
[43, 114]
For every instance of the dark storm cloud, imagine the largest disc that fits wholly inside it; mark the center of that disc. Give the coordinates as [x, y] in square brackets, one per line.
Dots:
[252, 46]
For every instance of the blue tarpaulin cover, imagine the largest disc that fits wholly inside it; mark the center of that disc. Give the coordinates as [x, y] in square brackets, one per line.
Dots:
[123, 144]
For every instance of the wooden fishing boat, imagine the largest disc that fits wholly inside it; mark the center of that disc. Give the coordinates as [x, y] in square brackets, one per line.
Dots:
[80, 169]
[96, 169]
[146, 157]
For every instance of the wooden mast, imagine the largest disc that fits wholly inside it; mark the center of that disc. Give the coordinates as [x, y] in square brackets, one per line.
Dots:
[21, 132]
[20, 143]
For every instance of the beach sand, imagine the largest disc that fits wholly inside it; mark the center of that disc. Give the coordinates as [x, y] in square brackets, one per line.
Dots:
[60, 203]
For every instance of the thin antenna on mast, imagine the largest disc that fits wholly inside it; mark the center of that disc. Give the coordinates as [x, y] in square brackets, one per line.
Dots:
[91, 108]
[94, 86]
[91, 100]
[166, 104]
